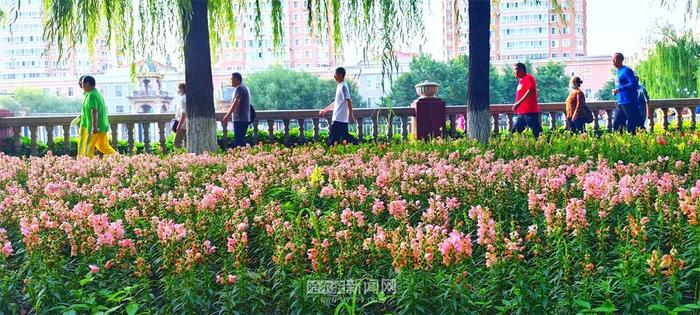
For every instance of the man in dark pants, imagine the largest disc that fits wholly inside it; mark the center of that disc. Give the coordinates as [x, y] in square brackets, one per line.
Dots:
[342, 111]
[526, 106]
[240, 110]
[626, 86]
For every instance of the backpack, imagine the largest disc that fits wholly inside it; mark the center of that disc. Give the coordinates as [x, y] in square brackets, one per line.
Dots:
[252, 114]
[588, 117]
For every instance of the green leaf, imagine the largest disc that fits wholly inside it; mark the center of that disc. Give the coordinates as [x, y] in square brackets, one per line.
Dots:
[658, 308]
[70, 312]
[582, 303]
[681, 309]
[606, 307]
[132, 308]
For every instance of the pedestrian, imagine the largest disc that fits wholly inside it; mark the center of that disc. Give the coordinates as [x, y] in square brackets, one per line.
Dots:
[96, 120]
[625, 91]
[180, 118]
[526, 108]
[577, 112]
[76, 120]
[342, 112]
[644, 105]
[240, 110]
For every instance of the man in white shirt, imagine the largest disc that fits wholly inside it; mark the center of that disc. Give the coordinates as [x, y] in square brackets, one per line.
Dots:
[342, 111]
[181, 117]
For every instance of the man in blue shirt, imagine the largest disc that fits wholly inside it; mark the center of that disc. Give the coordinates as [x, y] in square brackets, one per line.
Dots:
[626, 85]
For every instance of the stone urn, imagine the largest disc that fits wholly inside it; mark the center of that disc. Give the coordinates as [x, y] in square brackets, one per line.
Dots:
[427, 89]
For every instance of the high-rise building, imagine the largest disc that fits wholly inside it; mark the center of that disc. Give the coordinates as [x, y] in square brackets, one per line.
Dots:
[521, 30]
[27, 60]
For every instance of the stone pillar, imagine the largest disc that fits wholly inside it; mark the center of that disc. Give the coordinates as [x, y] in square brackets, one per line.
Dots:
[5, 132]
[430, 118]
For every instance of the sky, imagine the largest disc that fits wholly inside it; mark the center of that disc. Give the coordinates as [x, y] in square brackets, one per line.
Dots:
[613, 25]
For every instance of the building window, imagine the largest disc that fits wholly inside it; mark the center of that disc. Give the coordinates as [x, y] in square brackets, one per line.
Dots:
[554, 44]
[565, 55]
[554, 30]
[565, 30]
[70, 91]
[120, 108]
[118, 91]
[565, 42]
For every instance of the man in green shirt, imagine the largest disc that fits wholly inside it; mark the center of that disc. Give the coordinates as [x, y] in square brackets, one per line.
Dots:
[94, 118]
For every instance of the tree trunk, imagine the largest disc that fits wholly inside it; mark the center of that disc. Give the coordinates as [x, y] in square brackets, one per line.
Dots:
[201, 121]
[478, 106]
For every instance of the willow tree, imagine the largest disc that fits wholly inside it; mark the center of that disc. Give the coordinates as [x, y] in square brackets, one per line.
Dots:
[672, 69]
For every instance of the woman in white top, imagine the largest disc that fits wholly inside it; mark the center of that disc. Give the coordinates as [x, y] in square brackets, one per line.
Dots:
[180, 115]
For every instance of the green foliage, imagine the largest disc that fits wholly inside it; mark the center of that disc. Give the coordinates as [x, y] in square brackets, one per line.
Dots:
[451, 75]
[37, 101]
[284, 89]
[672, 69]
[552, 82]
[605, 93]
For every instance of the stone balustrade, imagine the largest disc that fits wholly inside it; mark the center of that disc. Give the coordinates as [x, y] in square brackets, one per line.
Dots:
[372, 123]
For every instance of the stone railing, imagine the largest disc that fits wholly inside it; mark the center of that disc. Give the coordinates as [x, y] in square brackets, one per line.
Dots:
[151, 128]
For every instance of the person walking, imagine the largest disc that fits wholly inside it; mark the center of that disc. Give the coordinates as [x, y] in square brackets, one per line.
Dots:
[180, 118]
[644, 105]
[342, 112]
[526, 107]
[94, 119]
[240, 110]
[625, 91]
[577, 112]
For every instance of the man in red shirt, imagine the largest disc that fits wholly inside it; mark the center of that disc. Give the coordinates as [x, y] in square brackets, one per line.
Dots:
[526, 107]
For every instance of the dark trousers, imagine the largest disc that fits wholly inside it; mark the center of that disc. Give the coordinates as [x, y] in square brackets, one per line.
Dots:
[339, 133]
[627, 115]
[576, 126]
[531, 120]
[239, 130]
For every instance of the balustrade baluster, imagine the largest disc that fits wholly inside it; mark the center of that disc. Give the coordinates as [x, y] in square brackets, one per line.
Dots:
[271, 130]
[130, 137]
[360, 128]
[49, 137]
[390, 128]
[302, 130]
[679, 117]
[404, 127]
[32, 137]
[146, 136]
[665, 116]
[496, 127]
[553, 120]
[114, 128]
[66, 139]
[610, 119]
[596, 125]
[256, 132]
[317, 137]
[18, 139]
[161, 137]
[286, 130]
[510, 121]
[692, 117]
[375, 128]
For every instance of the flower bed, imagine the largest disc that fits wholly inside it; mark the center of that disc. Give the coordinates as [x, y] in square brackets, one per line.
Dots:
[548, 226]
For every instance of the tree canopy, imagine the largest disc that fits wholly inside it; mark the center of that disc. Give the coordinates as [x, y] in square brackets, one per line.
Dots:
[451, 75]
[282, 89]
[37, 101]
[672, 69]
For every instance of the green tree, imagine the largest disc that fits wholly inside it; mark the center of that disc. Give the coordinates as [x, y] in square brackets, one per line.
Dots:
[451, 75]
[284, 89]
[552, 83]
[37, 101]
[672, 69]
[605, 93]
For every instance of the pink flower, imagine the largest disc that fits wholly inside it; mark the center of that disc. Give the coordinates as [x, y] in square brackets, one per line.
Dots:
[6, 249]
[109, 264]
[232, 279]
[397, 209]
[345, 217]
[377, 207]
[94, 269]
